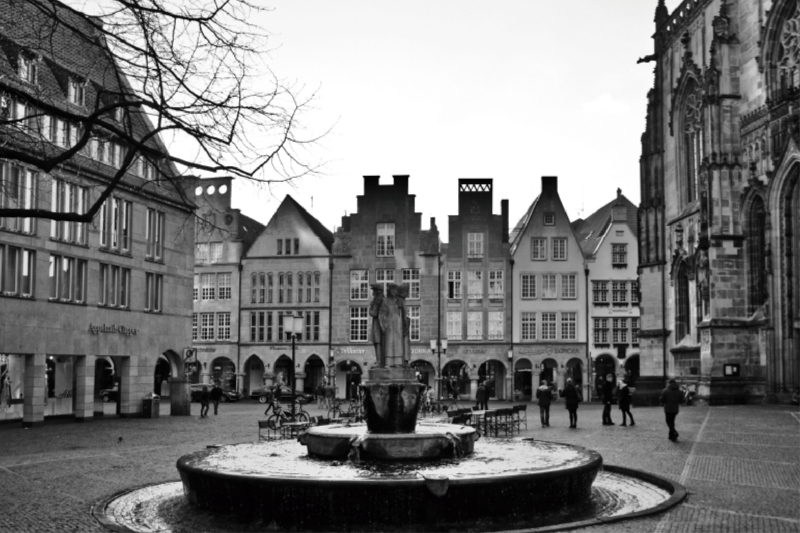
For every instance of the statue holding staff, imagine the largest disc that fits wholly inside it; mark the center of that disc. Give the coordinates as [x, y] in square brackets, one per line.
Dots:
[377, 334]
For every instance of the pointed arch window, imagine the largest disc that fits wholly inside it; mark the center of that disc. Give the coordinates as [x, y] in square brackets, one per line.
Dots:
[789, 59]
[693, 142]
[756, 256]
[682, 305]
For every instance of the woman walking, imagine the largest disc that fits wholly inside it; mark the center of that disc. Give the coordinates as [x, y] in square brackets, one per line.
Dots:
[572, 397]
[624, 397]
[545, 396]
[205, 397]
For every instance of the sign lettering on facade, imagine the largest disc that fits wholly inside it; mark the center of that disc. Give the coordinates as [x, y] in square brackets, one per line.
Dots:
[122, 330]
[550, 350]
[208, 349]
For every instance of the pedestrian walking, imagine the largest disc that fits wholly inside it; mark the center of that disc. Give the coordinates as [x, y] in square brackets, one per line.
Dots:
[216, 396]
[572, 397]
[330, 392]
[320, 394]
[480, 397]
[544, 395]
[608, 399]
[624, 399]
[671, 398]
[204, 399]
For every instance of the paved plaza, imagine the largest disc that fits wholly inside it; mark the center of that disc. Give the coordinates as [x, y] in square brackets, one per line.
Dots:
[740, 464]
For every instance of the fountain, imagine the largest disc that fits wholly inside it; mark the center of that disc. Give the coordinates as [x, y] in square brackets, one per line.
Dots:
[392, 474]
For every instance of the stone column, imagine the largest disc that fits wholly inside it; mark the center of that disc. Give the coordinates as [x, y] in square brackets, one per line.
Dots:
[473, 387]
[179, 399]
[84, 388]
[561, 378]
[130, 395]
[35, 390]
[299, 380]
[510, 388]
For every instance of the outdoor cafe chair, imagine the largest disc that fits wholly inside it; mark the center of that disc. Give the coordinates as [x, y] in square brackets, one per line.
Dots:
[267, 430]
[522, 415]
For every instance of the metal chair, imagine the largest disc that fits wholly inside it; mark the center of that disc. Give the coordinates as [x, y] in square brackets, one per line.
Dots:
[268, 431]
[522, 415]
[490, 423]
[503, 421]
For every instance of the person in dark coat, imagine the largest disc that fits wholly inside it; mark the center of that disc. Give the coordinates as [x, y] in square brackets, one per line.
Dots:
[480, 397]
[545, 396]
[204, 398]
[671, 399]
[215, 396]
[624, 399]
[608, 399]
[571, 397]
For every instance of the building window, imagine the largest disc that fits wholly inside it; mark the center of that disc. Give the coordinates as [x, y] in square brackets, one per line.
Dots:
[207, 284]
[475, 325]
[309, 281]
[258, 325]
[601, 331]
[548, 326]
[634, 331]
[413, 316]
[262, 288]
[254, 287]
[18, 191]
[359, 318]
[385, 245]
[559, 249]
[496, 284]
[620, 330]
[359, 285]
[528, 285]
[549, 219]
[67, 279]
[693, 141]
[454, 330]
[281, 281]
[454, 284]
[200, 250]
[17, 266]
[28, 68]
[619, 292]
[634, 292]
[474, 284]
[154, 284]
[289, 287]
[300, 288]
[682, 319]
[194, 326]
[569, 286]
[77, 91]
[215, 252]
[384, 277]
[317, 278]
[411, 277]
[206, 326]
[600, 292]
[549, 286]
[475, 245]
[538, 249]
[528, 323]
[196, 287]
[280, 246]
[312, 325]
[569, 326]
[619, 254]
[116, 223]
[66, 197]
[154, 234]
[224, 286]
[115, 284]
[756, 256]
[296, 246]
[496, 327]
[223, 326]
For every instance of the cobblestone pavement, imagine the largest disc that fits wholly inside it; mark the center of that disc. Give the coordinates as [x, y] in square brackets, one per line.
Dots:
[741, 464]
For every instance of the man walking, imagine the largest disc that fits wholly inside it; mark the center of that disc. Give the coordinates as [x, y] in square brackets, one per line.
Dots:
[608, 399]
[545, 396]
[215, 396]
[624, 400]
[671, 398]
[572, 396]
[204, 396]
[480, 398]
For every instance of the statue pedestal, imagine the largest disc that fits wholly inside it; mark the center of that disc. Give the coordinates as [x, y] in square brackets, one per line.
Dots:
[392, 400]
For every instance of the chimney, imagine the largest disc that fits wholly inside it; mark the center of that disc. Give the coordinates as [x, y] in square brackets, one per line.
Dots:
[371, 183]
[401, 181]
[550, 184]
[504, 215]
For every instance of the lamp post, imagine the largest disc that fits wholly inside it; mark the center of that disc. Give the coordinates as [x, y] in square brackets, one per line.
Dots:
[293, 325]
[437, 347]
[512, 385]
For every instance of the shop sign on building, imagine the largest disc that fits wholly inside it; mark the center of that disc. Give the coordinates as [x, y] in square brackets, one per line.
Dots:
[550, 350]
[122, 330]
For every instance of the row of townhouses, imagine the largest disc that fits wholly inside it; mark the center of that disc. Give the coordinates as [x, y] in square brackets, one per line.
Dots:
[548, 299]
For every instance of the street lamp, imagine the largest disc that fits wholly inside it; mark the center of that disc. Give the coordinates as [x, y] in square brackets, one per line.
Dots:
[439, 346]
[293, 325]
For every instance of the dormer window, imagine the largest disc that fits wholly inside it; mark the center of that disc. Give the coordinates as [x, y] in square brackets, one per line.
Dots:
[77, 91]
[28, 68]
[549, 219]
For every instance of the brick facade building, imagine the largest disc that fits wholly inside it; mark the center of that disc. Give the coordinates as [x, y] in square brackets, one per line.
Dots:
[718, 227]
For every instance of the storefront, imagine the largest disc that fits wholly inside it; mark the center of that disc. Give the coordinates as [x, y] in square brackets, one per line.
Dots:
[552, 362]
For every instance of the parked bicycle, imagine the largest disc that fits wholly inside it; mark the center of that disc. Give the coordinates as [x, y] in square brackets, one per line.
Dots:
[353, 408]
[280, 416]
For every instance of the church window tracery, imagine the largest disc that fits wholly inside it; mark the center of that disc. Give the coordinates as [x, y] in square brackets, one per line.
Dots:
[693, 141]
[756, 256]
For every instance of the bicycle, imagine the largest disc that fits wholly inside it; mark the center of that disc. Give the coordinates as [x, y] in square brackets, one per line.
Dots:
[452, 405]
[347, 408]
[279, 415]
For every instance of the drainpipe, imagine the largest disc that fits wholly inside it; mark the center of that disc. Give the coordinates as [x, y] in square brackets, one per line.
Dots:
[511, 314]
[239, 333]
[588, 385]
[330, 321]
[439, 325]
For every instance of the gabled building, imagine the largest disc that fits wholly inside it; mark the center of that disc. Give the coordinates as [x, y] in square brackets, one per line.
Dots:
[383, 242]
[85, 306]
[476, 272]
[286, 271]
[549, 297]
[223, 235]
[608, 238]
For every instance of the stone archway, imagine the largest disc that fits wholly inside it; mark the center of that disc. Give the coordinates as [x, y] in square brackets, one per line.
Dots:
[179, 400]
[523, 379]
[604, 365]
[574, 371]
[632, 370]
[493, 374]
[548, 370]
[314, 370]
[426, 371]
[223, 372]
[348, 376]
[454, 381]
[253, 375]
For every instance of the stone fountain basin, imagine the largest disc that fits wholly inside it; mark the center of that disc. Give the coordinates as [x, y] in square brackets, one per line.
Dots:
[282, 484]
[430, 441]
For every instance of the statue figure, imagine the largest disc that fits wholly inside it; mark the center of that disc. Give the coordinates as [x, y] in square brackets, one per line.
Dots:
[394, 327]
[377, 335]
